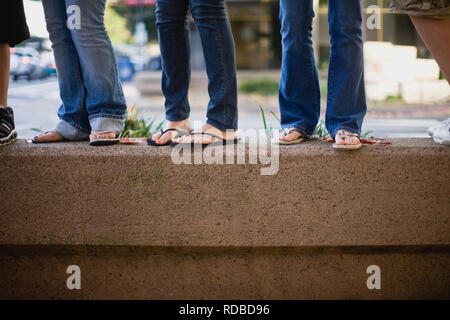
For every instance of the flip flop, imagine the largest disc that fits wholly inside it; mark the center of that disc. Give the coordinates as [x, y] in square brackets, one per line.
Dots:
[288, 131]
[221, 141]
[104, 142]
[51, 131]
[344, 136]
[180, 132]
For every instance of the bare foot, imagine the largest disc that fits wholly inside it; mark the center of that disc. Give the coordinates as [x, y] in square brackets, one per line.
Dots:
[47, 137]
[347, 138]
[205, 139]
[170, 135]
[95, 135]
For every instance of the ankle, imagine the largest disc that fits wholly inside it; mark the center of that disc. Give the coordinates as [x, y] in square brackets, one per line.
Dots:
[184, 124]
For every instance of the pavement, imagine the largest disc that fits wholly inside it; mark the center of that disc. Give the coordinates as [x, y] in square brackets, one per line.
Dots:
[36, 102]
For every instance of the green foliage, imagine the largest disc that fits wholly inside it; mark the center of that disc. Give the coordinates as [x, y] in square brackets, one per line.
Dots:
[323, 64]
[267, 128]
[366, 134]
[138, 127]
[323, 85]
[396, 98]
[263, 86]
[116, 26]
[132, 15]
[263, 117]
[269, 87]
[321, 130]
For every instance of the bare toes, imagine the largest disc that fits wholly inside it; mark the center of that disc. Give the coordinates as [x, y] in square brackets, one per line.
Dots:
[156, 136]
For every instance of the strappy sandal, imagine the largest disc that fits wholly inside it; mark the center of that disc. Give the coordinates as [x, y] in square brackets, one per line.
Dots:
[104, 142]
[287, 131]
[345, 135]
[220, 141]
[180, 133]
[51, 131]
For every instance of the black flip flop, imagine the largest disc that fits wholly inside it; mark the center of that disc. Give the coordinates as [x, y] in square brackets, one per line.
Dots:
[221, 142]
[181, 132]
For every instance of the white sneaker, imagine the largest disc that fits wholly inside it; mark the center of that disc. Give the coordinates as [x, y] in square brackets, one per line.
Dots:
[433, 128]
[441, 134]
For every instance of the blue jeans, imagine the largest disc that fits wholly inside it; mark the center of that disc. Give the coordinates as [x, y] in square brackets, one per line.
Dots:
[219, 52]
[90, 90]
[299, 94]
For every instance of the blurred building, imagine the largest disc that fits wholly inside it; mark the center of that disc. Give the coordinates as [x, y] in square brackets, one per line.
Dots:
[256, 30]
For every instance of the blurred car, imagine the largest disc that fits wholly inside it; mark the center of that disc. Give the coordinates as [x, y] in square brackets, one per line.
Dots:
[47, 61]
[126, 68]
[14, 60]
[155, 63]
[25, 63]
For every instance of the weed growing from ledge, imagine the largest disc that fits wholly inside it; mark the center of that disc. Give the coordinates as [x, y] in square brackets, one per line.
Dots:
[138, 127]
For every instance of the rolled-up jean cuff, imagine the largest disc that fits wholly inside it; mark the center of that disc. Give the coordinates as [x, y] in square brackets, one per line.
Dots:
[70, 132]
[107, 123]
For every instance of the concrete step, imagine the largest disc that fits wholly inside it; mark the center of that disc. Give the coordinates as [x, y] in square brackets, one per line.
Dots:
[140, 226]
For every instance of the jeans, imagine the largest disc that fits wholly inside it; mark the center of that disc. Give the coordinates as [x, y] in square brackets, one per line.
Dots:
[218, 47]
[90, 90]
[299, 94]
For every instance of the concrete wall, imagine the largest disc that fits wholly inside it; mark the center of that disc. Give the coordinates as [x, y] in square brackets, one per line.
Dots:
[140, 226]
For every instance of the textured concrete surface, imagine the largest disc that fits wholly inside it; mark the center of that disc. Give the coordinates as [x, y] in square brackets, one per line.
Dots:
[134, 195]
[142, 227]
[221, 273]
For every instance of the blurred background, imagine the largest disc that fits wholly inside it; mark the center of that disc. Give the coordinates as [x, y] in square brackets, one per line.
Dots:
[405, 89]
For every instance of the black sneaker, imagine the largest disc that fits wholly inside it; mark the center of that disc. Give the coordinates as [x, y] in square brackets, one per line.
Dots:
[7, 130]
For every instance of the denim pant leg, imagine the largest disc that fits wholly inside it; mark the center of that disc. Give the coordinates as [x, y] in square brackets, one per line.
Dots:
[105, 101]
[218, 47]
[171, 22]
[346, 105]
[299, 93]
[74, 122]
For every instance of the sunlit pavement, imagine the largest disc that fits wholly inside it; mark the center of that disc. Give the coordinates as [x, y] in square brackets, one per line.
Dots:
[35, 104]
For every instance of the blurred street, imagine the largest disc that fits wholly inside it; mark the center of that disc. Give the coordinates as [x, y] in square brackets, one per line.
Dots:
[36, 102]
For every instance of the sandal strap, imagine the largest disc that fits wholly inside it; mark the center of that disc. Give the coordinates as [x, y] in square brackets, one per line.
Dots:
[180, 131]
[347, 134]
[101, 132]
[47, 132]
[206, 134]
[287, 131]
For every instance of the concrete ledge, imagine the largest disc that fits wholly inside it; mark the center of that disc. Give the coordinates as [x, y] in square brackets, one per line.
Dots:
[141, 227]
[73, 194]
